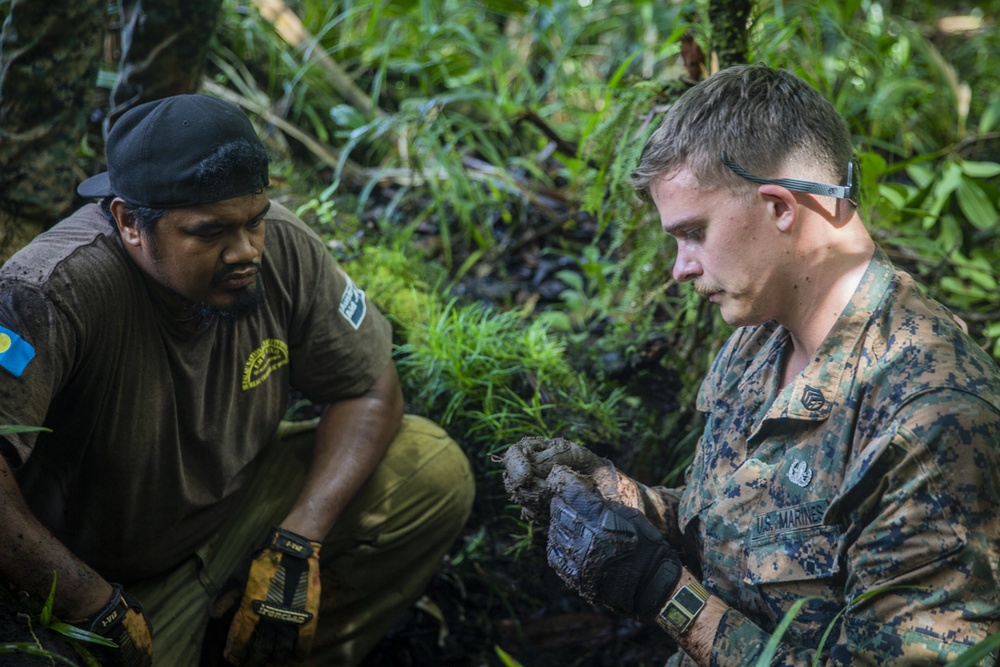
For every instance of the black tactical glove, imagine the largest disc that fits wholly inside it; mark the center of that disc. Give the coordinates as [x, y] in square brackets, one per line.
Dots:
[123, 622]
[607, 552]
[277, 616]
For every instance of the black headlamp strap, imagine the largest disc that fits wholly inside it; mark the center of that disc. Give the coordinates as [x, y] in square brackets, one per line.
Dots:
[849, 191]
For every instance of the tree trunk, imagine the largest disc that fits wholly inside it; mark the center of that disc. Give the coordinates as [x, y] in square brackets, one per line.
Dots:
[729, 31]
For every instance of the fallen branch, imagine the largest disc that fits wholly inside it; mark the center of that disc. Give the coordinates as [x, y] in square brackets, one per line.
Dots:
[352, 173]
[289, 27]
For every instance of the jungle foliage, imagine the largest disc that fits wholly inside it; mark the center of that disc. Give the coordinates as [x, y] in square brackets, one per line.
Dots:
[468, 162]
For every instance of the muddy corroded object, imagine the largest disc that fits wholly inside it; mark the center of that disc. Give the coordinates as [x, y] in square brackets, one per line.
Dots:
[529, 462]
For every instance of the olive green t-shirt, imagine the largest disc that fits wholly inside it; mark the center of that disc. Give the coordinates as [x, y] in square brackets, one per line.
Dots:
[156, 428]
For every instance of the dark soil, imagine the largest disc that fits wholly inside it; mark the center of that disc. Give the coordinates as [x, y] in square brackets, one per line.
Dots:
[18, 635]
[558, 628]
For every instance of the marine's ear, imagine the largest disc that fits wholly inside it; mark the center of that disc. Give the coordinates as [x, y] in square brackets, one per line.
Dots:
[782, 207]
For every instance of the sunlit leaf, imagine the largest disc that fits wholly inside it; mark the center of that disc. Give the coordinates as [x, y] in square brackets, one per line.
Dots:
[950, 233]
[980, 169]
[347, 116]
[977, 207]
[960, 288]
[981, 278]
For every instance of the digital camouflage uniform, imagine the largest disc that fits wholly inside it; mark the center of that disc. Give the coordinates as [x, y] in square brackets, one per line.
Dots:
[49, 57]
[876, 466]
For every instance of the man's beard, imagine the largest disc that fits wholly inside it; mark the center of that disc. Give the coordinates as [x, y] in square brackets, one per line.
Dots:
[244, 305]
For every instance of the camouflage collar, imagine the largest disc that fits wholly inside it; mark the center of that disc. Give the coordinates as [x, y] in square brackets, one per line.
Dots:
[825, 381]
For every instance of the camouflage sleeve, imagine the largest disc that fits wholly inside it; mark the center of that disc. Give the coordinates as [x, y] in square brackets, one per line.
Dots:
[920, 547]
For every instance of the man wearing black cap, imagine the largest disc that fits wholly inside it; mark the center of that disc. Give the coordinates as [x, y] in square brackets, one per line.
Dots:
[158, 341]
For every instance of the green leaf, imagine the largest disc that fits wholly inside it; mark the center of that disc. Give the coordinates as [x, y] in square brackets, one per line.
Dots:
[856, 601]
[873, 166]
[46, 615]
[506, 658]
[34, 649]
[984, 279]
[990, 116]
[572, 279]
[771, 647]
[977, 269]
[83, 654]
[9, 430]
[957, 287]
[556, 319]
[897, 195]
[81, 635]
[950, 233]
[941, 192]
[928, 247]
[976, 206]
[981, 650]
[920, 174]
[980, 169]
[848, 9]
[950, 179]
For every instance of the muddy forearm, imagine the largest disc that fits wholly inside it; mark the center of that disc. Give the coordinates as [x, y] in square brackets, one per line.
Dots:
[30, 556]
[659, 504]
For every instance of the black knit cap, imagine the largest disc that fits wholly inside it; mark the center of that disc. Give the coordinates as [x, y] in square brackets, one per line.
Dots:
[155, 149]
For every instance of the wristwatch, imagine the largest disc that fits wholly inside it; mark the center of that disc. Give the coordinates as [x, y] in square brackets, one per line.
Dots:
[681, 609]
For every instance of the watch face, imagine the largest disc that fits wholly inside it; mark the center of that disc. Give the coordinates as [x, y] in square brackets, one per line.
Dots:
[675, 617]
[688, 599]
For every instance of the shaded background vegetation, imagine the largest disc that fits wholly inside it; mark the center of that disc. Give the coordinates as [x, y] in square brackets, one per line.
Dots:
[466, 161]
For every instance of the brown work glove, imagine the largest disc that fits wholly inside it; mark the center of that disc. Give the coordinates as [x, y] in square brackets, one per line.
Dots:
[123, 622]
[527, 465]
[277, 616]
[607, 552]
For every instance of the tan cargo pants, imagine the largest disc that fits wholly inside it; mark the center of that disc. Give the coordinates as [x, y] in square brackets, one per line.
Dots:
[375, 562]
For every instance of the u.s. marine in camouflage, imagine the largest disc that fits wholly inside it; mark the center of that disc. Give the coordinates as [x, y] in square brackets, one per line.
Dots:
[875, 468]
[850, 460]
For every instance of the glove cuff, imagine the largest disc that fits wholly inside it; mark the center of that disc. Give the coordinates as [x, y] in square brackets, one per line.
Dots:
[113, 612]
[293, 544]
[656, 590]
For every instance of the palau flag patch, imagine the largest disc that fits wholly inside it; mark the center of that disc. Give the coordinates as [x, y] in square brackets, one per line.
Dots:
[15, 353]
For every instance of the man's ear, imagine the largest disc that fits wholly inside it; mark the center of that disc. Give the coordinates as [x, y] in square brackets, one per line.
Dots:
[126, 225]
[781, 205]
